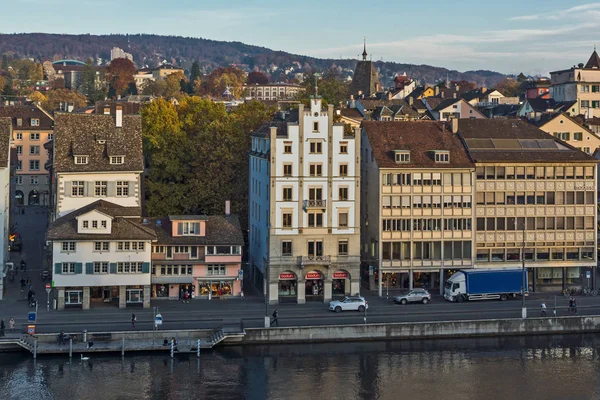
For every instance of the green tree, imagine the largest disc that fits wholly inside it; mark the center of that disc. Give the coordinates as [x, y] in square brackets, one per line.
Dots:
[91, 84]
[332, 88]
[194, 75]
[64, 96]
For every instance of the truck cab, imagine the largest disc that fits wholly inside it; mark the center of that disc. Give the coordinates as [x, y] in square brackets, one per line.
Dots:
[455, 287]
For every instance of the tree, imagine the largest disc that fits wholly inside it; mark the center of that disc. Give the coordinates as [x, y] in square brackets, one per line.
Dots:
[38, 97]
[120, 74]
[173, 84]
[91, 85]
[332, 88]
[194, 75]
[221, 78]
[256, 77]
[64, 96]
[509, 87]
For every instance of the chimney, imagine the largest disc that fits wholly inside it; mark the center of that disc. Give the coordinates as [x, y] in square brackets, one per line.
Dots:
[106, 110]
[454, 95]
[411, 101]
[483, 89]
[227, 207]
[437, 90]
[119, 117]
[454, 125]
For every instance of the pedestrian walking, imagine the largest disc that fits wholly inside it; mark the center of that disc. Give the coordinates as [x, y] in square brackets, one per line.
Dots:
[133, 320]
[571, 304]
[22, 282]
[29, 294]
[274, 320]
[543, 307]
[61, 338]
[23, 265]
[2, 327]
[11, 324]
[574, 306]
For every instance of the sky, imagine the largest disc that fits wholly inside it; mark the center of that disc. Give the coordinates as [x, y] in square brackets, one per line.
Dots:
[508, 36]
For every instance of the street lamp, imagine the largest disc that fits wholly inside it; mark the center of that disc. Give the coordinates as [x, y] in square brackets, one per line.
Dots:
[523, 285]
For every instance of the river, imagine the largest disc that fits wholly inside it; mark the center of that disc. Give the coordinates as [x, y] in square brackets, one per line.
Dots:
[561, 367]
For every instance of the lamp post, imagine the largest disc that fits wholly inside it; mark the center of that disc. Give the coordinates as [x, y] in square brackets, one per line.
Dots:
[524, 283]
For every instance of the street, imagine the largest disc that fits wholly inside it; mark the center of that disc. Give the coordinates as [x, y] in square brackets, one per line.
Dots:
[251, 311]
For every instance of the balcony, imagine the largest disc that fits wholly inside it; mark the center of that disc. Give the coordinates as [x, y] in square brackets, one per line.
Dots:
[314, 260]
[311, 204]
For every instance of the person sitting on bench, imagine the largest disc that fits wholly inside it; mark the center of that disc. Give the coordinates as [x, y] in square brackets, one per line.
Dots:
[90, 343]
[166, 342]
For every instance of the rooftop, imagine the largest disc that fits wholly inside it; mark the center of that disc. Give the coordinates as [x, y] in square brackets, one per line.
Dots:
[220, 230]
[5, 136]
[25, 113]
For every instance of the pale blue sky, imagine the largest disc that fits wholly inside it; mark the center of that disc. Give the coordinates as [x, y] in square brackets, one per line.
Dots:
[534, 36]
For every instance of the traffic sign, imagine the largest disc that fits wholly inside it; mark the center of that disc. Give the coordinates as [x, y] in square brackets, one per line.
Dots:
[48, 288]
[158, 319]
[588, 275]
[31, 316]
[240, 275]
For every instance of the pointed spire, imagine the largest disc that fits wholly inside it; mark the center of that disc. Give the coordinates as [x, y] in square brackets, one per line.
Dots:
[364, 54]
[594, 61]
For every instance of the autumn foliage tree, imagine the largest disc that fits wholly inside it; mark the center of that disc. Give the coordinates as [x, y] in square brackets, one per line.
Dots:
[256, 77]
[59, 97]
[120, 74]
[221, 78]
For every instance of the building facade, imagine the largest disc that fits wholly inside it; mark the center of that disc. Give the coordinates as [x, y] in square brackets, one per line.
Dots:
[304, 208]
[197, 254]
[33, 128]
[5, 184]
[570, 131]
[97, 157]
[101, 253]
[272, 91]
[417, 205]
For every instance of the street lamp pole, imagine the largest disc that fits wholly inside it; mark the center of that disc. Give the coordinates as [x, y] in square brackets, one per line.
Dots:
[523, 285]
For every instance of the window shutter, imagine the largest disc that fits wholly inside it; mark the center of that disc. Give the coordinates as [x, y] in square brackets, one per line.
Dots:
[111, 190]
[78, 268]
[146, 268]
[131, 185]
[113, 268]
[89, 189]
[58, 268]
[68, 191]
[89, 268]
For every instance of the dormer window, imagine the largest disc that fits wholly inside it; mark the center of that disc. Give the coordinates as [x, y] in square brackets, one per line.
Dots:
[81, 160]
[402, 156]
[35, 122]
[441, 156]
[188, 228]
[19, 121]
[117, 159]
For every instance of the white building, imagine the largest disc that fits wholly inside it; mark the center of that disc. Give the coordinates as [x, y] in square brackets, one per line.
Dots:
[97, 157]
[5, 135]
[445, 110]
[117, 52]
[304, 207]
[101, 253]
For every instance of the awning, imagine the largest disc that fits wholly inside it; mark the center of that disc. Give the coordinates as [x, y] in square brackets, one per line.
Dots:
[173, 279]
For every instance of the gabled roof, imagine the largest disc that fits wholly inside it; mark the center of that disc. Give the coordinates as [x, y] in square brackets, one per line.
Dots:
[421, 138]
[25, 113]
[78, 134]
[352, 113]
[444, 104]
[594, 61]
[575, 120]
[220, 230]
[5, 137]
[125, 224]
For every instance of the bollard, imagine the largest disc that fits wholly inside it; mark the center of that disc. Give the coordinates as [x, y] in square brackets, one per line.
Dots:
[198, 349]
[70, 347]
[123, 347]
[34, 348]
[172, 347]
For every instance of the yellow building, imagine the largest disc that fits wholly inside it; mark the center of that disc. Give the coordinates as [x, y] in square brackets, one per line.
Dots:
[567, 129]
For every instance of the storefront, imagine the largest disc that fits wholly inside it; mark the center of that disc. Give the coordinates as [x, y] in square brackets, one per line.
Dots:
[73, 297]
[426, 280]
[104, 294]
[134, 295]
[394, 280]
[173, 288]
[288, 287]
[340, 285]
[209, 289]
[314, 286]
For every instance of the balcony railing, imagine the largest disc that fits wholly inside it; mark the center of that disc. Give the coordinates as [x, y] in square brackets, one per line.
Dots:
[315, 204]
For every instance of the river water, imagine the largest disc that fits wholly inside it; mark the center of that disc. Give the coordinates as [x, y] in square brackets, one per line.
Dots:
[564, 367]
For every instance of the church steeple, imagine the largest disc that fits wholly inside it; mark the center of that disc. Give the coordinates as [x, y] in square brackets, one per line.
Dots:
[364, 54]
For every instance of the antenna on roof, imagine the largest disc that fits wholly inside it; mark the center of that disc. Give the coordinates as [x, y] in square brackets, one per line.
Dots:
[317, 76]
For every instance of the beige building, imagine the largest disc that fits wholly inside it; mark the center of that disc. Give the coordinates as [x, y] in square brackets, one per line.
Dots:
[535, 200]
[565, 128]
[162, 71]
[304, 226]
[416, 211]
[272, 91]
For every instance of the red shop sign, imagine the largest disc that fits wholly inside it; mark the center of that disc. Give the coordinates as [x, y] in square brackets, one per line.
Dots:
[287, 276]
[340, 275]
[313, 275]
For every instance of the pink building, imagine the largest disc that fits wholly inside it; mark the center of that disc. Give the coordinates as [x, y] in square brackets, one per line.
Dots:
[198, 255]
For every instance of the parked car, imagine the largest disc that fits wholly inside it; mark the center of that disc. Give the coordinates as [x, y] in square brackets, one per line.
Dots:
[413, 296]
[349, 303]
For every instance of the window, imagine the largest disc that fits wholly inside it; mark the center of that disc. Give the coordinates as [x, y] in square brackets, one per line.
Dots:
[19, 136]
[122, 189]
[100, 268]
[585, 104]
[584, 88]
[100, 188]
[101, 246]
[51, 136]
[287, 219]
[68, 246]
[95, 224]
[287, 169]
[442, 157]
[216, 270]
[343, 247]
[343, 219]
[34, 136]
[315, 169]
[77, 188]
[35, 150]
[86, 224]
[286, 248]
[315, 220]
[223, 250]
[19, 165]
[35, 122]
[188, 228]
[19, 149]
[19, 179]
[287, 147]
[68, 268]
[316, 147]
[33, 180]
[81, 159]
[34, 165]
[343, 169]
[343, 147]
[287, 194]
[402, 156]
[117, 159]
[578, 136]
[315, 127]
[123, 246]
[130, 267]
[315, 248]
[343, 193]
[563, 135]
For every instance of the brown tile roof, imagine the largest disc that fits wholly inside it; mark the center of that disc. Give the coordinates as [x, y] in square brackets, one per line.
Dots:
[124, 225]
[498, 140]
[352, 113]
[78, 134]
[25, 113]
[5, 136]
[127, 107]
[371, 105]
[420, 138]
[220, 230]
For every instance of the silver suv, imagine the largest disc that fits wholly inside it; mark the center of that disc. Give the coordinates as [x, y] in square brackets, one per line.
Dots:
[413, 296]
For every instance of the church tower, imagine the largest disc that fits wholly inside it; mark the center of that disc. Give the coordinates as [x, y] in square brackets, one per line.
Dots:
[365, 80]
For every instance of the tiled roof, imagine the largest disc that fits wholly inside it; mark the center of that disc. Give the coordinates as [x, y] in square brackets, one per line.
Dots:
[124, 225]
[265, 129]
[498, 140]
[25, 113]
[443, 104]
[79, 134]
[5, 136]
[220, 230]
[594, 61]
[371, 105]
[352, 113]
[127, 107]
[421, 138]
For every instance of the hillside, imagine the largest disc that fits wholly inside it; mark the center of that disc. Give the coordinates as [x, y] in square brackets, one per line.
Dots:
[149, 50]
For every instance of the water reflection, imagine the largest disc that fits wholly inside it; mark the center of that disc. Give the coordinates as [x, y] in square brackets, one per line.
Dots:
[502, 368]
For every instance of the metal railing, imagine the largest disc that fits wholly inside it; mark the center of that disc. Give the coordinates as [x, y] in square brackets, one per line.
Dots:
[315, 204]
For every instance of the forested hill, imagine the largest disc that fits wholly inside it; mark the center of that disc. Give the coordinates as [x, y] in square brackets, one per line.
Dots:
[149, 50]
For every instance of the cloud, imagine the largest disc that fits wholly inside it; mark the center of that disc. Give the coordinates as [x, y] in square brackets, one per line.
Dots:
[577, 11]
